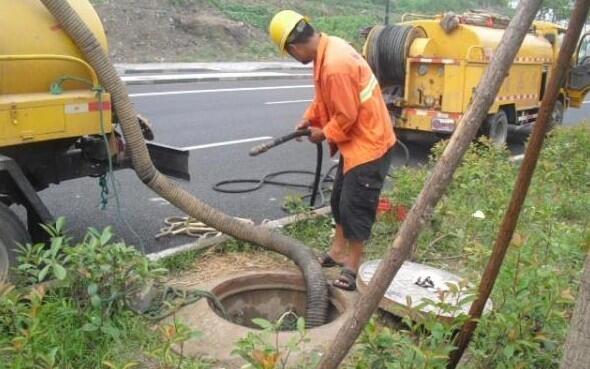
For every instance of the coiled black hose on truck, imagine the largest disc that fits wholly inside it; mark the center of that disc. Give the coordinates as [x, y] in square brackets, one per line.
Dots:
[317, 291]
[387, 49]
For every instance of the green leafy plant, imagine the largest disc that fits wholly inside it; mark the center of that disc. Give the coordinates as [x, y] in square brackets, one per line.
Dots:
[81, 318]
[173, 334]
[425, 340]
[263, 351]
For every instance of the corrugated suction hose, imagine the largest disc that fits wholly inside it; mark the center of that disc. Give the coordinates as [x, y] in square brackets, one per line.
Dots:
[317, 292]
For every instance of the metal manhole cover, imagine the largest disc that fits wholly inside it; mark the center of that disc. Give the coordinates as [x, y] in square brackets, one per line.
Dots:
[418, 281]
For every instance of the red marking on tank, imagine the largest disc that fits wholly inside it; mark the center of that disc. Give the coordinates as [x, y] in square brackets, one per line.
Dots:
[94, 106]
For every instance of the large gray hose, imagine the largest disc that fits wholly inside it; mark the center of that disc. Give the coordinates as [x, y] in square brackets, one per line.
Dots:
[317, 292]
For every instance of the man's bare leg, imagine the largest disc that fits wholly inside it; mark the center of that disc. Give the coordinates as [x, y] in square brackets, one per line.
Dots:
[339, 249]
[355, 255]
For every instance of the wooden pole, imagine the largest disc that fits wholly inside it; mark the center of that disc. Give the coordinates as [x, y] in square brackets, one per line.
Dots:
[436, 185]
[576, 354]
[523, 181]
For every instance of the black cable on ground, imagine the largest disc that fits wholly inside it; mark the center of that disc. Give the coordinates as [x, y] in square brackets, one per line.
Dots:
[317, 188]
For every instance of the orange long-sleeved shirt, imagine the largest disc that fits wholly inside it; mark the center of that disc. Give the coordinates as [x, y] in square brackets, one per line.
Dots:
[348, 104]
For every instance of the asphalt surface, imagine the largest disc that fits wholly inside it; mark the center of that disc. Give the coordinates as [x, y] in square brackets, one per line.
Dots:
[197, 114]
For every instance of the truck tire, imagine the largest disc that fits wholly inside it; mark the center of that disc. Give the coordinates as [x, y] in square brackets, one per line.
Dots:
[557, 115]
[12, 232]
[496, 128]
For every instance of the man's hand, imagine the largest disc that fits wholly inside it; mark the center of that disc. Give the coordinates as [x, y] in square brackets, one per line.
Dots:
[304, 124]
[317, 135]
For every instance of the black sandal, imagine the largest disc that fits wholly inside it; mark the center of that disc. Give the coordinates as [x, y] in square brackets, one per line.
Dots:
[346, 281]
[326, 261]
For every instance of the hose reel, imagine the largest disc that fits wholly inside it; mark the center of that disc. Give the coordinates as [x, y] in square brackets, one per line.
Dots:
[387, 49]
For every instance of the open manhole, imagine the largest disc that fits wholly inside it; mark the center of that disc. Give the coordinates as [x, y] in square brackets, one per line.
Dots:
[259, 294]
[267, 297]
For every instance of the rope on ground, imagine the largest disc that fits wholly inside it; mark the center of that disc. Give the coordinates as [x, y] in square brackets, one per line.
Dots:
[187, 226]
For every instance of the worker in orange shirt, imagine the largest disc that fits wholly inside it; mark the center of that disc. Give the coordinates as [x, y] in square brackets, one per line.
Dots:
[349, 112]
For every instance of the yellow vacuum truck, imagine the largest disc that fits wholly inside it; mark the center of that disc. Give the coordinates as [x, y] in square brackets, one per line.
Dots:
[56, 122]
[429, 67]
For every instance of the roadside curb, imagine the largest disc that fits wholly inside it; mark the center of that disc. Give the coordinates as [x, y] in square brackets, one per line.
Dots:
[214, 241]
[162, 68]
[211, 77]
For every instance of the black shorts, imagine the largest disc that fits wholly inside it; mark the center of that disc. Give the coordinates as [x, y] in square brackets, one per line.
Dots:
[355, 196]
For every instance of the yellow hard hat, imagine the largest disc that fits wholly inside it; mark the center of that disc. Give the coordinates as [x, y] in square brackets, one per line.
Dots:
[281, 26]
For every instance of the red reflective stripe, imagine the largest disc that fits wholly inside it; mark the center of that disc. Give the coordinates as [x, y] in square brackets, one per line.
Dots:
[433, 114]
[93, 106]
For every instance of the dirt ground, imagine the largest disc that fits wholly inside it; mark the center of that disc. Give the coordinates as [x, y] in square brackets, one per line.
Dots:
[169, 30]
[213, 265]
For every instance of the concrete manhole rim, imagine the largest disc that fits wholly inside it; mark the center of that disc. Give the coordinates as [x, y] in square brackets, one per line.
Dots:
[219, 336]
[290, 281]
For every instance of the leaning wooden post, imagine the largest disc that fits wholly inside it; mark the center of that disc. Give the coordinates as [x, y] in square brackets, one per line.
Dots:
[436, 185]
[523, 181]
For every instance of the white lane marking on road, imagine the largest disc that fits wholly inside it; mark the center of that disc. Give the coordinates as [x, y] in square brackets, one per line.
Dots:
[287, 102]
[160, 200]
[587, 102]
[226, 143]
[242, 89]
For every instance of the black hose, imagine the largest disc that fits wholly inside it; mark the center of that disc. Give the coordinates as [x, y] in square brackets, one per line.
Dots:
[406, 152]
[317, 188]
[318, 173]
[387, 52]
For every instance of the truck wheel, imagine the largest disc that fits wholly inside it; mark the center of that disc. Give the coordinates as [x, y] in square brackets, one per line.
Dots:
[556, 115]
[496, 128]
[12, 231]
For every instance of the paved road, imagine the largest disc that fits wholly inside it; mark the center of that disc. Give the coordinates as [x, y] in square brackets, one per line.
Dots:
[207, 117]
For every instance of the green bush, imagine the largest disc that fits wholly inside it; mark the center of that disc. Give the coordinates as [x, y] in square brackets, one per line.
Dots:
[534, 294]
[79, 315]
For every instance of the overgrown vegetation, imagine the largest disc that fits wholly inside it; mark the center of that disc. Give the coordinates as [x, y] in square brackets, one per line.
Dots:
[83, 320]
[262, 350]
[70, 308]
[535, 292]
[344, 18]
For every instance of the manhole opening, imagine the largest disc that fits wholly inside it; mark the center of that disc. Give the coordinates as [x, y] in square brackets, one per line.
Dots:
[245, 300]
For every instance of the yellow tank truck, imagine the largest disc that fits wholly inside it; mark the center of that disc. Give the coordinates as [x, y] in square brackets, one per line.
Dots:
[429, 68]
[56, 122]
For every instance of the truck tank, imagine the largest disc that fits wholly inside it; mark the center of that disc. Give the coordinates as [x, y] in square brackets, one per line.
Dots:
[29, 30]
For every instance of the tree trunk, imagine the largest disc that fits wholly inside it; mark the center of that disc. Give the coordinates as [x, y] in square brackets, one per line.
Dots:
[577, 346]
[436, 185]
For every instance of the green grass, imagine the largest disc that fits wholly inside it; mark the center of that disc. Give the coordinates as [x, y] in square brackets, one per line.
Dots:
[342, 18]
[84, 320]
[339, 18]
[533, 297]
[534, 293]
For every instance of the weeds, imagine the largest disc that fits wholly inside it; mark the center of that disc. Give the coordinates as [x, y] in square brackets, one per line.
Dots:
[263, 351]
[78, 317]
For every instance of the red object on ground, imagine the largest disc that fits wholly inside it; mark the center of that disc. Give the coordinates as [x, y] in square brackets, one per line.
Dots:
[384, 206]
[401, 212]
